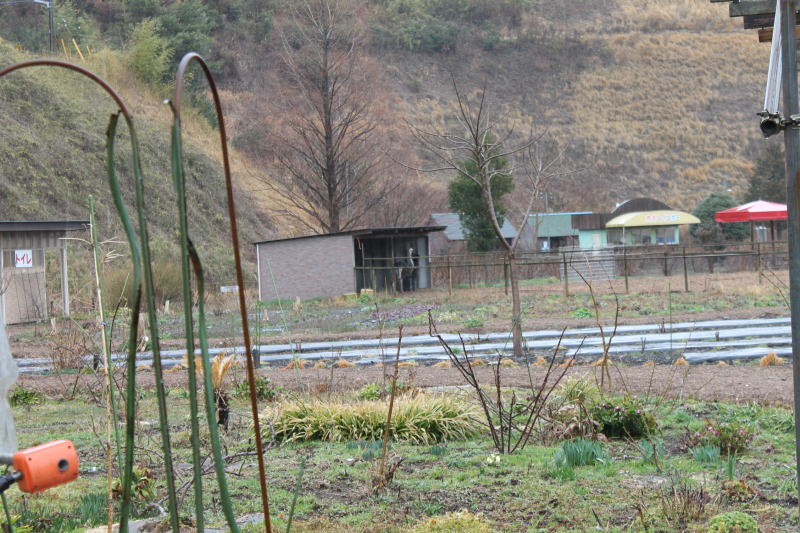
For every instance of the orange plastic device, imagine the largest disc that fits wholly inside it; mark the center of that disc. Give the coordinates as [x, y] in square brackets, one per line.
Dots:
[46, 465]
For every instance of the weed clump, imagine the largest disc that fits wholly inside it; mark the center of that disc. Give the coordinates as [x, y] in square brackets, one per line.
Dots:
[265, 389]
[579, 452]
[732, 522]
[707, 454]
[454, 523]
[625, 419]
[370, 391]
[22, 397]
[422, 420]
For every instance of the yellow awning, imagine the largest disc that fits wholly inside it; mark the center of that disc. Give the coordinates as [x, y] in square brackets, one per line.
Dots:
[652, 218]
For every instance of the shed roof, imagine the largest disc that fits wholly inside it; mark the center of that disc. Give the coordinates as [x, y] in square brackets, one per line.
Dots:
[44, 225]
[369, 232]
[454, 231]
[751, 212]
[652, 218]
[554, 224]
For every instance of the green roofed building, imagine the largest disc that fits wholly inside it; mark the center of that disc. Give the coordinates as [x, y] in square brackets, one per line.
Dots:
[549, 231]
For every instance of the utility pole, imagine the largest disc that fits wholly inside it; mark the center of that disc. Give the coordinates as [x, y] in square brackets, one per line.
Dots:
[791, 139]
[51, 23]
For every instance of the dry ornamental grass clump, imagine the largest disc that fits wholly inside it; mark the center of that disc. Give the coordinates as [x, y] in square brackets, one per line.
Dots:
[422, 420]
[295, 363]
[540, 361]
[771, 359]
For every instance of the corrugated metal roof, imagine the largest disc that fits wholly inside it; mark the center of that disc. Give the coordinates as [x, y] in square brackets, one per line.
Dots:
[455, 232]
[43, 225]
[371, 232]
[554, 224]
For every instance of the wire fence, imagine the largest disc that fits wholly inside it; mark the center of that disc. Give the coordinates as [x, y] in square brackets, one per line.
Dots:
[570, 267]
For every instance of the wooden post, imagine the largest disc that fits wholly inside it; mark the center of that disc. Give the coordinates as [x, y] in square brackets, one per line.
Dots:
[393, 269]
[772, 239]
[449, 277]
[625, 266]
[64, 281]
[505, 276]
[469, 273]
[758, 262]
[666, 263]
[685, 272]
[566, 276]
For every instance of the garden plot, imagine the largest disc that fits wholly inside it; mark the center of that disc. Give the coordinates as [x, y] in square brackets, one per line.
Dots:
[714, 340]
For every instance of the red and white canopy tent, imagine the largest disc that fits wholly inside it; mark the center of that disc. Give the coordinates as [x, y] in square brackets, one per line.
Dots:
[757, 211]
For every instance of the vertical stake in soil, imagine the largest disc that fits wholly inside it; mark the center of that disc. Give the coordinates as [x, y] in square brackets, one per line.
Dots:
[381, 480]
[111, 409]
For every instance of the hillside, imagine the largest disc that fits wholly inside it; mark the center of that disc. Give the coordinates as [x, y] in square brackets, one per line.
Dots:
[648, 97]
[52, 157]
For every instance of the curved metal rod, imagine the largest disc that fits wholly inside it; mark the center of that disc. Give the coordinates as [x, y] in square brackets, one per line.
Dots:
[139, 254]
[176, 108]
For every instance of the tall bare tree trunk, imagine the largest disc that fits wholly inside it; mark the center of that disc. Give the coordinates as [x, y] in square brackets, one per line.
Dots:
[516, 305]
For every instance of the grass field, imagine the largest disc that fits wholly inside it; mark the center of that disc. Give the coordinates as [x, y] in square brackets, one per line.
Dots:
[658, 483]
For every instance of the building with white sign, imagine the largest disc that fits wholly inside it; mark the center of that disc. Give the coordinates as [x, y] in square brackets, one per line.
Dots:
[23, 291]
[636, 222]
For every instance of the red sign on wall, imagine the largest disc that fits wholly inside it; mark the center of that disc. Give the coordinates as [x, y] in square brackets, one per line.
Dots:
[23, 258]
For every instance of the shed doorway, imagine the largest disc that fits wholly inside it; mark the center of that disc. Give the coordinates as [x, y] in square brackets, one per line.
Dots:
[396, 263]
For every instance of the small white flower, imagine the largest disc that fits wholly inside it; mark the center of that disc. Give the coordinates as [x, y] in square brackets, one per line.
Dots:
[493, 459]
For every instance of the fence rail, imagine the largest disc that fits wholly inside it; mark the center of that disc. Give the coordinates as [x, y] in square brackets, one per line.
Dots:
[571, 266]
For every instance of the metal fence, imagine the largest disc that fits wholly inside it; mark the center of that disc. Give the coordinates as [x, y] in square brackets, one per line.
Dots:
[573, 266]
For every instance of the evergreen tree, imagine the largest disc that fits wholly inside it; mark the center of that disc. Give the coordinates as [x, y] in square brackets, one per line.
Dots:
[465, 198]
[709, 230]
[768, 181]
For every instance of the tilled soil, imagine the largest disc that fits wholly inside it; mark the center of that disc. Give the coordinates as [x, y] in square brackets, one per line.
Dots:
[732, 383]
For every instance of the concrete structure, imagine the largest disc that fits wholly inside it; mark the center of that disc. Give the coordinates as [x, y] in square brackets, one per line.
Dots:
[23, 293]
[451, 240]
[333, 264]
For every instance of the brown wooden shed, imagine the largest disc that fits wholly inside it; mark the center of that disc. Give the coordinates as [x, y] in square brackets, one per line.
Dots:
[23, 293]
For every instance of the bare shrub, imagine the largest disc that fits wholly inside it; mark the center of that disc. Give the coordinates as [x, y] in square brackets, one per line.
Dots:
[511, 420]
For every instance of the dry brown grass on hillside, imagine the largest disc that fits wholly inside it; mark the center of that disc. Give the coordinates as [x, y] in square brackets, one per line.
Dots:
[666, 99]
[660, 15]
[147, 103]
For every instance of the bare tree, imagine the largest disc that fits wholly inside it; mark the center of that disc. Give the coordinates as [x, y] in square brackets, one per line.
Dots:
[411, 204]
[328, 146]
[481, 140]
